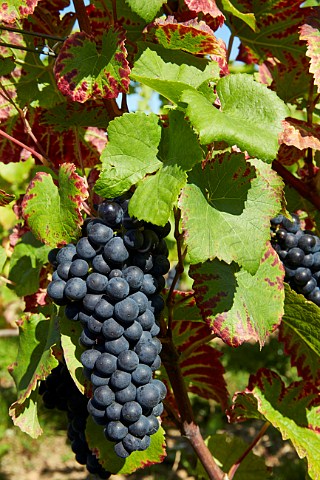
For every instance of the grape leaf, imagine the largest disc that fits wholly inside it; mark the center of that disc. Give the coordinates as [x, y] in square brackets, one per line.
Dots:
[248, 18]
[300, 134]
[72, 350]
[11, 10]
[289, 409]
[37, 337]
[5, 198]
[156, 195]
[103, 449]
[239, 306]
[227, 449]
[169, 79]
[193, 37]
[303, 317]
[311, 34]
[208, 8]
[146, 10]
[3, 257]
[53, 213]
[129, 155]
[302, 356]
[26, 262]
[250, 116]
[7, 64]
[85, 70]
[226, 211]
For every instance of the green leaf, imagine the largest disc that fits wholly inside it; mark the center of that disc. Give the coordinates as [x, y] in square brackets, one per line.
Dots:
[85, 70]
[26, 262]
[289, 409]
[250, 116]
[303, 317]
[248, 18]
[7, 64]
[226, 211]
[169, 79]
[227, 449]
[3, 257]
[114, 464]
[155, 196]
[238, 306]
[72, 350]
[146, 10]
[37, 336]
[130, 154]
[53, 213]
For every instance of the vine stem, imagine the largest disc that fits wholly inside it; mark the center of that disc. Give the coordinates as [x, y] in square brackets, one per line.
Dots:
[34, 34]
[30, 149]
[230, 45]
[82, 16]
[301, 187]
[236, 465]
[189, 428]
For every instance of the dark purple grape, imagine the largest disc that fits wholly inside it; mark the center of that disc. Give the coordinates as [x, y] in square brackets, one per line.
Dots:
[308, 260]
[79, 268]
[115, 431]
[100, 234]
[290, 241]
[113, 411]
[131, 443]
[155, 330]
[281, 235]
[94, 326]
[90, 301]
[95, 409]
[158, 410]
[133, 239]
[120, 450]
[156, 304]
[290, 273]
[131, 412]
[115, 251]
[118, 288]
[153, 425]
[144, 261]
[89, 357]
[55, 276]
[100, 265]
[149, 285]
[141, 299]
[66, 254]
[120, 380]
[156, 364]
[127, 394]
[276, 220]
[161, 264]
[146, 320]
[309, 286]
[72, 310]
[291, 226]
[103, 309]
[141, 375]
[98, 380]
[148, 396]
[111, 329]
[307, 243]
[115, 347]
[140, 428]
[162, 248]
[87, 338]
[84, 318]
[116, 273]
[84, 249]
[145, 442]
[63, 270]
[134, 276]
[314, 296]
[316, 261]
[75, 289]
[97, 283]
[55, 291]
[106, 364]
[160, 231]
[111, 213]
[302, 275]
[128, 361]
[126, 311]
[103, 396]
[52, 256]
[295, 257]
[161, 387]
[134, 332]
[150, 241]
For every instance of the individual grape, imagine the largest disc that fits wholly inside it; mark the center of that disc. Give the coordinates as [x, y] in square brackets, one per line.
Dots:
[116, 273]
[295, 257]
[307, 242]
[158, 410]
[145, 442]
[148, 396]
[120, 450]
[150, 241]
[72, 310]
[100, 265]
[131, 412]
[128, 361]
[127, 394]
[97, 283]
[308, 260]
[88, 358]
[161, 265]
[84, 249]
[94, 409]
[103, 309]
[79, 268]
[133, 239]
[113, 411]
[115, 431]
[156, 304]
[160, 231]
[126, 311]
[90, 301]
[103, 396]
[281, 235]
[161, 282]
[55, 291]
[146, 337]
[52, 256]
[314, 296]
[115, 347]
[120, 380]
[134, 276]
[134, 332]
[309, 286]
[55, 276]
[162, 248]
[87, 338]
[131, 443]
[149, 285]
[106, 364]
[140, 428]
[63, 270]
[141, 375]
[115, 251]
[94, 326]
[291, 241]
[161, 387]
[156, 364]
[144, 261]
[75, 289]
[141, 299]
[153, 425]
[302, 275]
[118, 288]
[111, 213]
[290, 272]
[276, 220]
[66, 254]
[98, 380]
[155, 330]
[146, 320]
[111, 329]
[100, 234]
[84, 318]
[316, 261]
[291, 226]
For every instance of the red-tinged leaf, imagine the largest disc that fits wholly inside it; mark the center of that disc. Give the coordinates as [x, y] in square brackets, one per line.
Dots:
[192, 36]
[302, 356]
[54, 214]
[12, 10]
[300, 134]
[311, 34]
[37, 337]
[213, 16]
[85, 70]
[289, 155]
[47, 19]
[238, 306]
[293, 410]
[5, 198]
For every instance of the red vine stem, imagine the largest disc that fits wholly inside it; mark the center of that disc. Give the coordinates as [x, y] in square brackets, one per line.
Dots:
[301, 187]
[30, 149]
[236, 465]
[82, 16]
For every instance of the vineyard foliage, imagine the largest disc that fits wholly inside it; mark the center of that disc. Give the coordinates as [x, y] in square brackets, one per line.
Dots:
[234, 144]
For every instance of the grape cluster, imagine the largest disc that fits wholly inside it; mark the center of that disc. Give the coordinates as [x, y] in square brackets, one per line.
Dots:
[111, 282]
[299, 251]
[59, 391]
